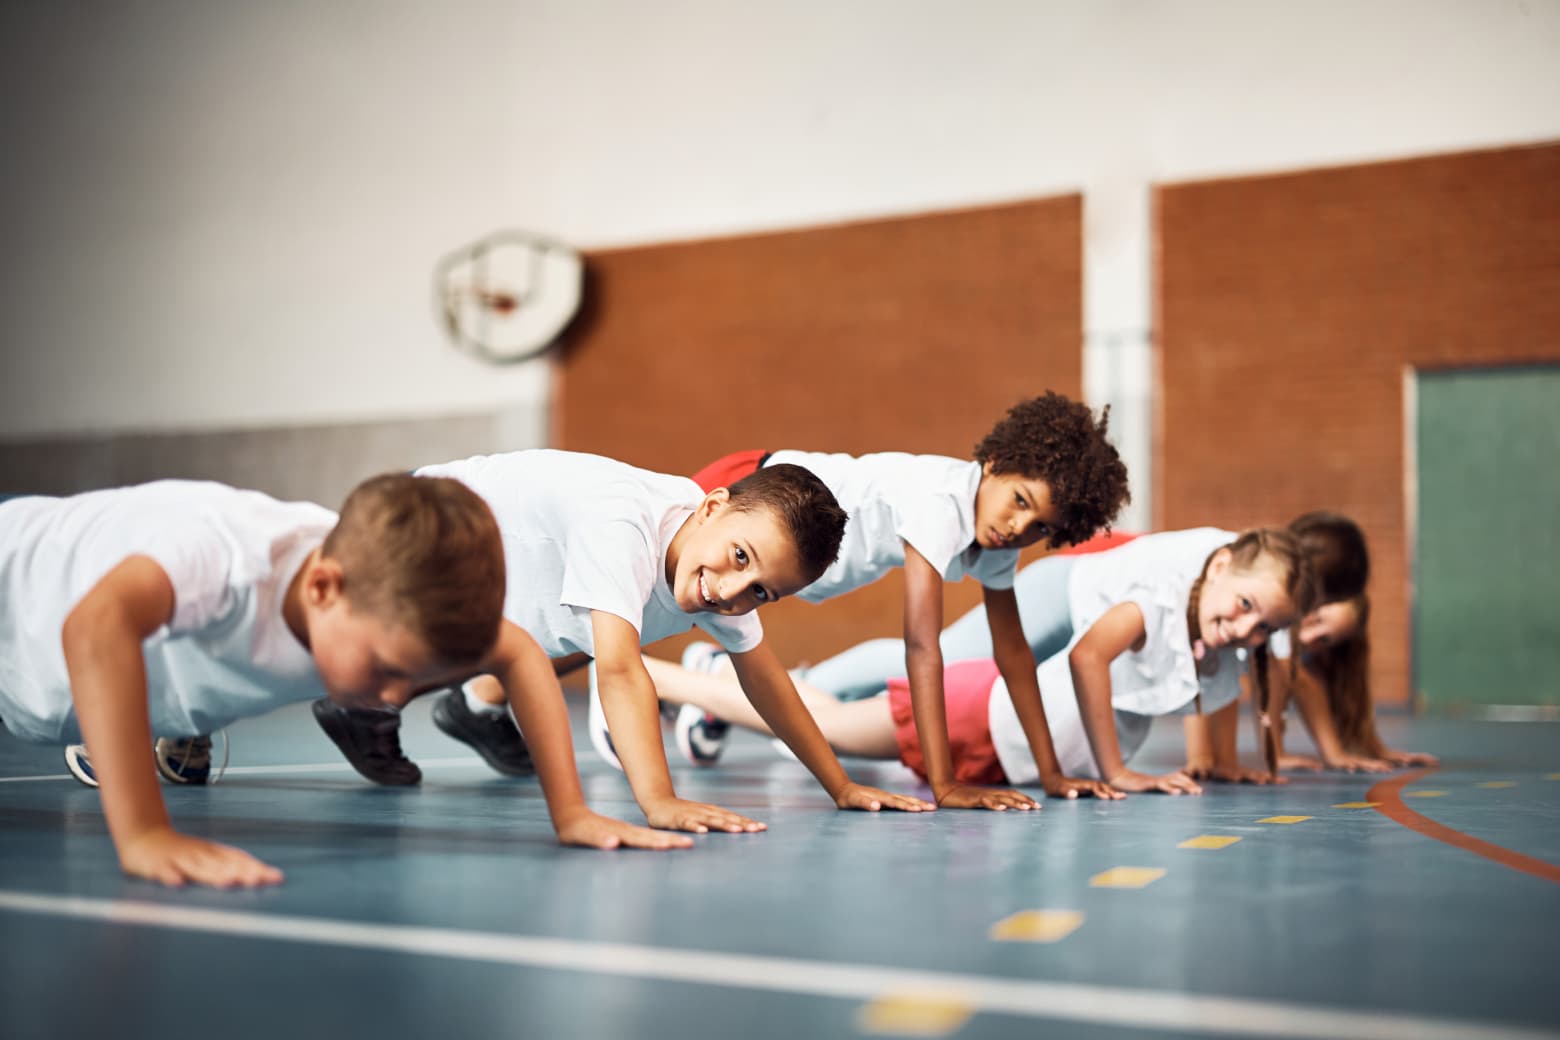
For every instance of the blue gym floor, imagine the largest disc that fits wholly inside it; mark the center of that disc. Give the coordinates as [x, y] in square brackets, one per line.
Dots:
[449, 910]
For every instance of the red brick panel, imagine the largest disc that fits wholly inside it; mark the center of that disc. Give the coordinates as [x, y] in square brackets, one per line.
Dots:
[911, 334]
[1290, 308]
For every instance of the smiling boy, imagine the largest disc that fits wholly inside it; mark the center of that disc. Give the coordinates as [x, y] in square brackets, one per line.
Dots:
[604, 557]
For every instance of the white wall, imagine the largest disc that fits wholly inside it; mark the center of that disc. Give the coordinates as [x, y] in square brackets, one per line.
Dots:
[225, 213]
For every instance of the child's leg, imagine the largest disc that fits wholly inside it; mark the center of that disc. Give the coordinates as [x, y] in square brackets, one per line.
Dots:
[862, 727]
[1041, 589]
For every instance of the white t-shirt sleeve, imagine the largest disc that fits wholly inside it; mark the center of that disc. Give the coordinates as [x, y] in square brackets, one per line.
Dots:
[202, 565]
[609, 567]
[736, 635]
[1278, 644]
[934, 526]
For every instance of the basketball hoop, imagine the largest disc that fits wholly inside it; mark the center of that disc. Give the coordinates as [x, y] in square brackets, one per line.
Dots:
[509, 296]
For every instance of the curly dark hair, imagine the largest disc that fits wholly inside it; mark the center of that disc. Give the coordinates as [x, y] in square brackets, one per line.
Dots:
[1058, 440]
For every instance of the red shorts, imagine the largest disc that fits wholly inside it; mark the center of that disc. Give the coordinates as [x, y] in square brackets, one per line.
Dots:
[1099, 543]
[966, 694]
[728, 469]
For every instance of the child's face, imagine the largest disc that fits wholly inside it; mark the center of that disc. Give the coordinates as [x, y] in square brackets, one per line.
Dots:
[365, 661]
[1012, 511]
[733, 561]
[1329, 624]
[1242, 607]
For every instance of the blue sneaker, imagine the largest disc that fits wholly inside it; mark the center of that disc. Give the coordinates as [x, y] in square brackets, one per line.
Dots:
[79, 764]
[184, 760]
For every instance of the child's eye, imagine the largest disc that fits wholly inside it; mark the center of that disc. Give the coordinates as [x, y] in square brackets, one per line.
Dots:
[761, 593]
[1020, 500]
[741, 556]
[1245, 604]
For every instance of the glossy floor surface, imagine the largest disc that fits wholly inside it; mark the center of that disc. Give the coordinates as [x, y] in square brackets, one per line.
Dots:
[449, 910]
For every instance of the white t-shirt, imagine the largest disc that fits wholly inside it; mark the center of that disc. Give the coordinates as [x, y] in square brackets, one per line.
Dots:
[230, 555]
[584, 533]
[893, 498]
[1155, 572]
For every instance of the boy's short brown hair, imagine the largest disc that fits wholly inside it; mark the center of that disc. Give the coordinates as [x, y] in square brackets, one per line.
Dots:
[424, 552]
[805, 507]
[1058, 440]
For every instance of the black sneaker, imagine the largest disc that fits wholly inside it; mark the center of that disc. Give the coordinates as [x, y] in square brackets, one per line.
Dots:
[371, 741]
[494, 735]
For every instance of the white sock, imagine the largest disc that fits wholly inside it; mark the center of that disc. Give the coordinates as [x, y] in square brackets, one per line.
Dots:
[478, 706]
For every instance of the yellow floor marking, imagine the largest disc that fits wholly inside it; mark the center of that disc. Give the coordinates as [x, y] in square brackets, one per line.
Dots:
[1127, 877]
[1424, 794]
[1356, 805]
[905, 1015]
[1553, 776]
[1037, 926]
[1497, 783]
[1208, 841]
[1285, 819]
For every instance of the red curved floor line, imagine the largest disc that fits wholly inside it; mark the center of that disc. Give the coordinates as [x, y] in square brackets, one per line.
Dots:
[1389, 794]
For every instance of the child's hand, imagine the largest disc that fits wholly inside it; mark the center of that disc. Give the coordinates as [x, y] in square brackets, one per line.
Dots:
[859, 796]
[677, 814]
[1059, 786]
[1198, 766]
[169, 858]
[1299, 763]
[1347, 763]
[602, 832]
[1239, 774]
[1410, 758]
[968, 796]
[1170, 783]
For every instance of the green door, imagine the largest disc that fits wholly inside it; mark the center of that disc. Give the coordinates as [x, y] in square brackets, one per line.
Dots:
[1487, 554]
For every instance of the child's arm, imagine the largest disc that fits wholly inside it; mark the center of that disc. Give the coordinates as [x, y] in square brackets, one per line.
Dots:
[1016, 662]
[773, 694]
[537, 702]
[629, 700]
[1117, 631]
[102, 639]
[1311, 696]
[1211, 749]
[924, 666]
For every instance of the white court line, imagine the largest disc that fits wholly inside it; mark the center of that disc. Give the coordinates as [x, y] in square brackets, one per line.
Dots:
[327, 767]
[1110, 1005]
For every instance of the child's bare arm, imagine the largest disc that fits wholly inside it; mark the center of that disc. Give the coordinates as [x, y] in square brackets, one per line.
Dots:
[924, 666]
[1118, 630]
[629, 700]
[1211, 749]
[1016, 662]
[773, 694]
[101, 639]
[537, 702]
[1311, 696]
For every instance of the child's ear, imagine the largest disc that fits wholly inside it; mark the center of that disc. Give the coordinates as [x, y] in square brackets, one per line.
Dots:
[1219, 563]
[713, 503]
[324, 583]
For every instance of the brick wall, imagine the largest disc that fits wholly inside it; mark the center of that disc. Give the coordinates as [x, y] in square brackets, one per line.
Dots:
[910, 334]
[1289, 310]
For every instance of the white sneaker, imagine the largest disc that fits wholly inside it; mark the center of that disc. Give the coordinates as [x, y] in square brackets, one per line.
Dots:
[596, 723]
[704, 657]
[701, 737]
